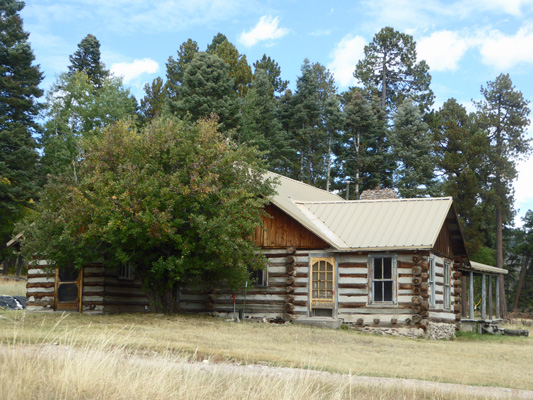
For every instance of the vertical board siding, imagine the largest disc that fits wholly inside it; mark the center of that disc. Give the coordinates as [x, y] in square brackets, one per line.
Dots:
[283, 231]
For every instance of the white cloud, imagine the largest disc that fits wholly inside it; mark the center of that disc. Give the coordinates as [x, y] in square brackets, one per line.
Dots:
[321, 32]
[266, 29]
[133, 70]
[345, 55]
[505, 51]
[442, 50]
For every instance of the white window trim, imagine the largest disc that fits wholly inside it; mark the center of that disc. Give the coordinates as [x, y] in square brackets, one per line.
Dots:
[447, 286]
[394, 279]
[431, 281]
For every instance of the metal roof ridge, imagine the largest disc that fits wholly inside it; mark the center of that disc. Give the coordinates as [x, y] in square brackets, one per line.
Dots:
[303, 183]
[370, 201]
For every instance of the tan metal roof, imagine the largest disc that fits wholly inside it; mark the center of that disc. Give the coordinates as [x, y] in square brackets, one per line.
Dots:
[479, 267]
[289, 190]
[380, 224]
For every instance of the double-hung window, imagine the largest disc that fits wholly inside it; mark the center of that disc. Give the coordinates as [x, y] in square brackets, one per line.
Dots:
[447, 285]
[383, 277]
[431, 281]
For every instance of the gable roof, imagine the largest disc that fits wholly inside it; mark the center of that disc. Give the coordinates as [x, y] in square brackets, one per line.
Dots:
[389, 224]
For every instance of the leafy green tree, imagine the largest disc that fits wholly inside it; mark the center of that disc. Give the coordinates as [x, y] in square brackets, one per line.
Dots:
[176, 69]
[261, 126]
[75, 108]
[503, 114]
[390, 69]
[208, 89]
[239, 70]
[19, 91]
[273, 72]
[178, 202]
[461, 149]
[412, 149]
[86, 59]
[153, 103]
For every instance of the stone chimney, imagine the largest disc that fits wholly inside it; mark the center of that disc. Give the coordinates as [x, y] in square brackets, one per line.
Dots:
[379, 194]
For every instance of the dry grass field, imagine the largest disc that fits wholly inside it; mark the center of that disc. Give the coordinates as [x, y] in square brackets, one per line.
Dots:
[140, 356]
[12, 287]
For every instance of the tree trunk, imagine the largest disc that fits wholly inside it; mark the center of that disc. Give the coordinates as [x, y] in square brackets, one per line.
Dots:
[520, 283]
[499, 260]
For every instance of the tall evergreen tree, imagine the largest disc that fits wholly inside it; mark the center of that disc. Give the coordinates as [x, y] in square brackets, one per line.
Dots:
[176, 68]
[390, 69]
[153, 102]
[207, 89]
[86, 59]
[363, 151]
[238, 70]
[261, 126]
[503, 114]
[412, 149]
[273, 72]
[218, 39]
[461, 149]
[19, 91]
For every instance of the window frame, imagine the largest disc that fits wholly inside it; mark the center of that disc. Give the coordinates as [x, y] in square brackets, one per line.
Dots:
[394, 279]
[447, 285]
[263, 283]
[126, 272]
[431, 281]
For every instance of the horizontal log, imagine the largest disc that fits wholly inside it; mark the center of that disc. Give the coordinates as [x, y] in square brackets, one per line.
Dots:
[352, 285]
[288, 307]
[352, 265]
[405, 275]
[365, 276]
[40, 285]
[405, 286]
[457, 275]
[291, 250]
[417, 281]
[417, 300]
[417, 271]
[416, 318]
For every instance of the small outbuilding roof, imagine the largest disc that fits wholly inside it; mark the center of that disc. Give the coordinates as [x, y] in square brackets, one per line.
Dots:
[479, 267]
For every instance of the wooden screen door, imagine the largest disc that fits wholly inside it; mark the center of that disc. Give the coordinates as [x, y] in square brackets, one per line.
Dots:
[322, 286]
[68, 289]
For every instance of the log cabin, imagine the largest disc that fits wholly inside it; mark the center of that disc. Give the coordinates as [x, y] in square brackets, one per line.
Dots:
[379, 262]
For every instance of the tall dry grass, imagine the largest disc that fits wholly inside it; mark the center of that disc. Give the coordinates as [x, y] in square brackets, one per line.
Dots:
[100, 370]
[141, 356]
[12, 287]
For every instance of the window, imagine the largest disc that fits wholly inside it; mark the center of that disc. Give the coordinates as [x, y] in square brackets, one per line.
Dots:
[322, 279]
[431, 282]
[447, 285]
[126, 272]
[383, 279]
[258, 277]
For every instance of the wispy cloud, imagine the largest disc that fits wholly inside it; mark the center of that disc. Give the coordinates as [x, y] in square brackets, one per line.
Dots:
[133, 70]
[126, 16]
[266, 29]
[503, 51]
[345, 55]
[443, 50]
[321, 32]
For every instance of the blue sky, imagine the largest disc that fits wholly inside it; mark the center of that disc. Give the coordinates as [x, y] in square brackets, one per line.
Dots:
[465, 43]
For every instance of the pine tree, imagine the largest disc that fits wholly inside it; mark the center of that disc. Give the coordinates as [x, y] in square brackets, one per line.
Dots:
[239, 70]
[261, 126]
[503, 114]
[461, 149]
[412, 149]
[273, 72]
[218, 39]
[390, 69]
[207, 89]
[86, 59]
[19, 91]
[176, 69]
[153, 102]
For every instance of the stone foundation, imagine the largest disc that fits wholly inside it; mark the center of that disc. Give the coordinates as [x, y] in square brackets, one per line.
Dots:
[435, 331]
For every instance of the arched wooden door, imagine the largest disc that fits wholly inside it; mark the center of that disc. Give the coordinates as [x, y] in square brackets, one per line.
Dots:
[68, 289]
[322, 294]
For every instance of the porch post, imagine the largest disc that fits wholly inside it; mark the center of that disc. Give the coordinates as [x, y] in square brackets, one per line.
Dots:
[497, 300]
[490, 296]
[471, 296]
[483, 297]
